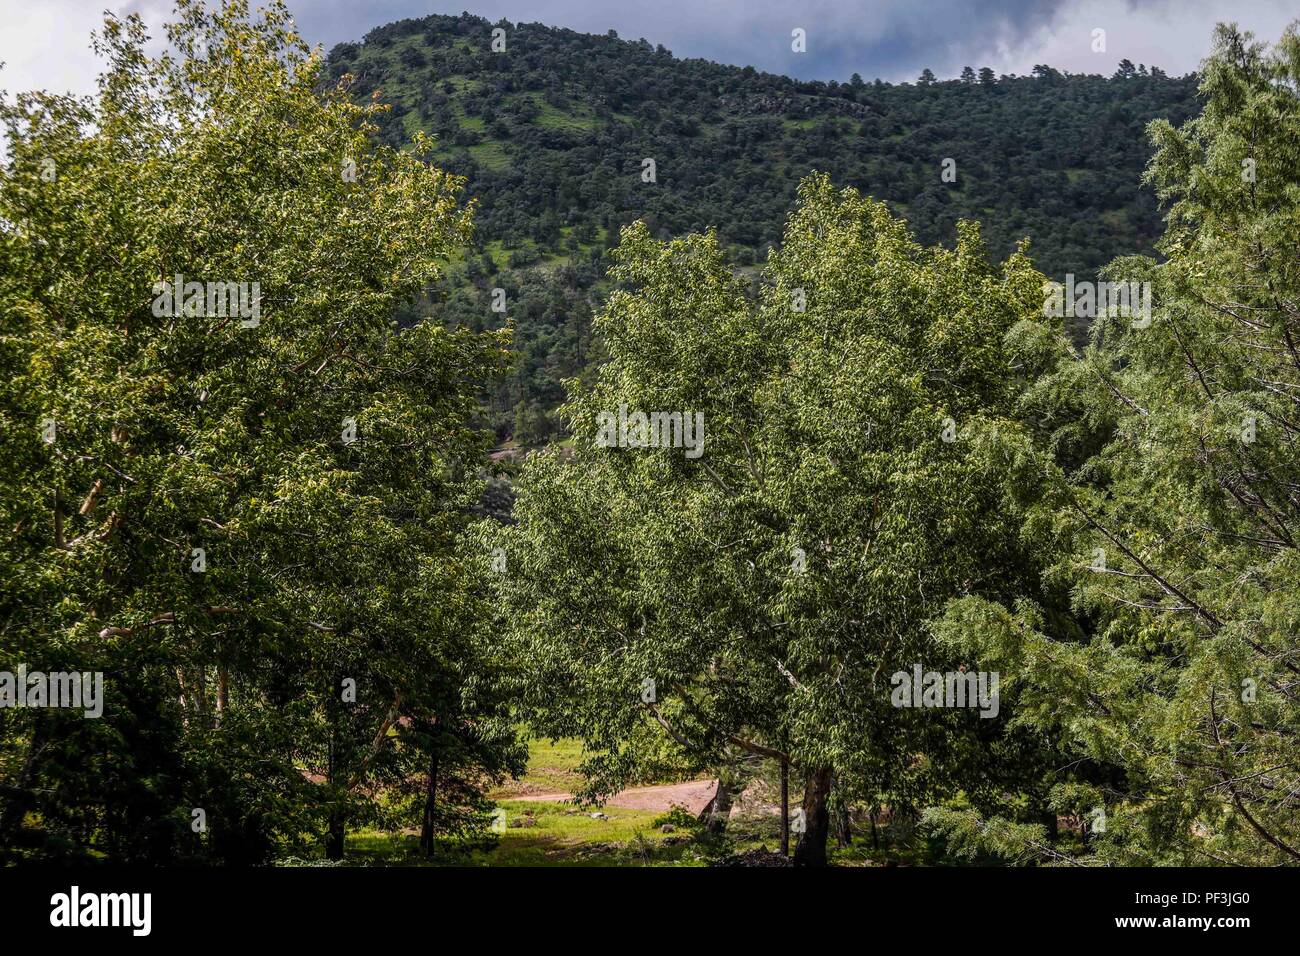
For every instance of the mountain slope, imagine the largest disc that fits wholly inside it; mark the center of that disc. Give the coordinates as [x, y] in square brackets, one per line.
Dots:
[553, 134]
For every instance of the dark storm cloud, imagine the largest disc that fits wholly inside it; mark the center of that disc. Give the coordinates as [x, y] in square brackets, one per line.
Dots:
[886, 38]
[43, 43]
[892, 39]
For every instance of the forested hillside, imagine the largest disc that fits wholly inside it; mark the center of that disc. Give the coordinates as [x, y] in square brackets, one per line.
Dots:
[553, 132]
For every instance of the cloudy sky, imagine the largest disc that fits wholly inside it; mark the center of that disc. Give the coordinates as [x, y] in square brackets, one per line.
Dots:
[44, 43]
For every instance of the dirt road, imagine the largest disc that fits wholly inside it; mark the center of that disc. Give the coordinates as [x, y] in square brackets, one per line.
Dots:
[693, 795]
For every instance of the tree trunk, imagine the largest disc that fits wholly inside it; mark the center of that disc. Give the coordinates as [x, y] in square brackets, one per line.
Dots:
[719, 808]
[336, 835]
[841, 825]
[430, 803]
[336, 828]
[223, 690]
[20, 797]
[811, 850]
[785, 808]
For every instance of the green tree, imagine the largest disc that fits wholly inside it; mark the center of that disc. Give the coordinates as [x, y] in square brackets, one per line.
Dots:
[244, 512]
[1172, 510]
[854, 475]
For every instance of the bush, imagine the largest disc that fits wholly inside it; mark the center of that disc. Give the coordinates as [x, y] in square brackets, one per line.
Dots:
[679, 817]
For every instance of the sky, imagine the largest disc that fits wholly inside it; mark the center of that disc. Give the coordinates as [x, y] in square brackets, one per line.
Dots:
[45, 43]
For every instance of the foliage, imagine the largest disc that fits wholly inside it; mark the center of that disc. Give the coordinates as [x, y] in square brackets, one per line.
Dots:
[678, 817]
[1171, 509]
[269, 529]
[770, 586]
[551, 134]
[323, 560]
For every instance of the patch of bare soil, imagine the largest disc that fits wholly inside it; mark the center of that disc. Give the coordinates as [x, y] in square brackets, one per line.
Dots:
[521, 790]
[694, 795]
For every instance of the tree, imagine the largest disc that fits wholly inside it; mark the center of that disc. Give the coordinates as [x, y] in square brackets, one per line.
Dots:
[244, 510]
[967, 75]
[853, 478]
[1171, 511]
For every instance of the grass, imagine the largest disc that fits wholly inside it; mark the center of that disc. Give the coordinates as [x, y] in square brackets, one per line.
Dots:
[554, 834]
[491, 155]
[554, 118]
[562, 835]
[546, 258]
[411, 125]
[552, 768]
[460, 81]
[557, 835]
[498, 253]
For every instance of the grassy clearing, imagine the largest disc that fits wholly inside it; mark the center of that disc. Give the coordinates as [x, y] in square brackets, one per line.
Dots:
[556, 834]
[546, 833]
[491, 155]
[555, 118]
[552, 768]
[561, 835]
[411, 125]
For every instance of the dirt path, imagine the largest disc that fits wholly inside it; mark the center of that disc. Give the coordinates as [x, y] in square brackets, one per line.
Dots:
[693, 795]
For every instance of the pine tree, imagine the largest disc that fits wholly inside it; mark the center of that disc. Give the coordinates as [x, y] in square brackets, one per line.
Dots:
[1172, 512]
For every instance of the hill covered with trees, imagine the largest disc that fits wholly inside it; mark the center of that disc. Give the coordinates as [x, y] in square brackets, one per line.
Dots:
[553, 132]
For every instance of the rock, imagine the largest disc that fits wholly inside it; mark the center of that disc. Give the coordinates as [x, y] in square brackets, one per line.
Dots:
[599, 816]
[667, 828]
